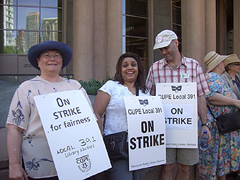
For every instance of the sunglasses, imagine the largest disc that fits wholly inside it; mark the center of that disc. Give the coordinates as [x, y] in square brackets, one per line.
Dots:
[236, 64]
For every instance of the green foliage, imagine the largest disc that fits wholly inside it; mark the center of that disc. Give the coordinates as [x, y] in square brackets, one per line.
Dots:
[92, 85]
[10, 49]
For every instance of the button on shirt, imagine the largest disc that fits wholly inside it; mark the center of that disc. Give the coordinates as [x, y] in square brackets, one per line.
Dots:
[188, 71]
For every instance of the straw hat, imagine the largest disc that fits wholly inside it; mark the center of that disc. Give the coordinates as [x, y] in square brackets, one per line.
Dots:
[63, 48]
[232, 58]
[164, 38]
[212, 59]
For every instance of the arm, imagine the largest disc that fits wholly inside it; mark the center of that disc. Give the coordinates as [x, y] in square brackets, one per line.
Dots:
[14, 142]
[202, 112]
[219, 99]
[150, 84]
[99, 106]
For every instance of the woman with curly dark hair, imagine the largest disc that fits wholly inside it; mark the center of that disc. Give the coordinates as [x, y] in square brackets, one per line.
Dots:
[128, 81]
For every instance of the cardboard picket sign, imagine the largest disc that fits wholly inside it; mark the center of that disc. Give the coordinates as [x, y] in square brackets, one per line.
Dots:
[181, 114]
[146, 131]
[73, 135]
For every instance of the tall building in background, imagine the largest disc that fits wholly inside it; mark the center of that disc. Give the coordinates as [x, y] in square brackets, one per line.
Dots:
[9, 39]
[32, 24]
[20, 40]
[50, 27]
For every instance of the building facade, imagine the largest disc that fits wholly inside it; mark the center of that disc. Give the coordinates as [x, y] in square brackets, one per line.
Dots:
[100, 31]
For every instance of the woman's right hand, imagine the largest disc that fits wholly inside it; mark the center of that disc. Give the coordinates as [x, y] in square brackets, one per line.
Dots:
[16, 172]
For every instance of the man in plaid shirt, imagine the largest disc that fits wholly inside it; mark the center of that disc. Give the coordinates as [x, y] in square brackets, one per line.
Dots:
[175, 68]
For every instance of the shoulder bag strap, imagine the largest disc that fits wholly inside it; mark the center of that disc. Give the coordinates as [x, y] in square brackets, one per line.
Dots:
[211, 111]
[137, 91]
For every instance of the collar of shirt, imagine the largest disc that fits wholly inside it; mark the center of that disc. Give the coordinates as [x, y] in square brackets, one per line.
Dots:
[182, 63]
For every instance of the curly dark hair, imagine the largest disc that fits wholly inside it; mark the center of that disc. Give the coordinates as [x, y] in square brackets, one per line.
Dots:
[139, 83]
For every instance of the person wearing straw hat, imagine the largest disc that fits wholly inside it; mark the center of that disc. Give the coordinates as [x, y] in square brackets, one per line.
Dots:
[175, 68]
[222, 155]
[25, 136]
[231, 73]
[232, 79]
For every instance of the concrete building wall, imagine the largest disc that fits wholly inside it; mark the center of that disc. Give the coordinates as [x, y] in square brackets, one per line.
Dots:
[97, 42]
[193, 29]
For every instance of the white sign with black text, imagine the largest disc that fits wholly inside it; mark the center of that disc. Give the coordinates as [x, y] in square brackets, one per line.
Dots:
[73, 135]
[146, 132]
[181, 115]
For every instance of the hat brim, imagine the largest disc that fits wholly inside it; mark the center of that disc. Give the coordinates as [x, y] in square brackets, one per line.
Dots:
[35, 50]
[161, 45]
[231, 61]
[212, 65]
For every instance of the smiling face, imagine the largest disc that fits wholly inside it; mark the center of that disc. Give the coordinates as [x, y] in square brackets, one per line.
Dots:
[129, 70]
[50, 61]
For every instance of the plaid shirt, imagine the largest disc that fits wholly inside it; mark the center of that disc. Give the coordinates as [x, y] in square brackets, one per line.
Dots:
[189, 71]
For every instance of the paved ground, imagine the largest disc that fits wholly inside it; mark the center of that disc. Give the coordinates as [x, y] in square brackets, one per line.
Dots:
[7, 90]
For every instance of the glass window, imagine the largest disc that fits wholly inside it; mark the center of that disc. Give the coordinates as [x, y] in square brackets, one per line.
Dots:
[50, 19]
[135, 7]
[28, 3]
[135, 28]
[136, 45]
[24, 23]
[28, 18]
[176, 15]
[51, 3]
[9, 41]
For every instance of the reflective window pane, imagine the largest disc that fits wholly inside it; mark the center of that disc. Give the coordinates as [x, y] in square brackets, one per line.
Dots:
[28, 2]
[136, 26]
[49, 35]
[51, 3]
[49, 19]
[9, 17]
[28, 18]
[21, 42]
[27, 22]
[9, 42]
[135, 7]
[31, 38]
[12, 2]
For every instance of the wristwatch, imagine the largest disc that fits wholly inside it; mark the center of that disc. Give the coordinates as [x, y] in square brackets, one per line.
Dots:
[205, 124]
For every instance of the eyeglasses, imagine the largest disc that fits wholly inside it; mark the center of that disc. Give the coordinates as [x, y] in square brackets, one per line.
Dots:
[236, 64]
[55, 56]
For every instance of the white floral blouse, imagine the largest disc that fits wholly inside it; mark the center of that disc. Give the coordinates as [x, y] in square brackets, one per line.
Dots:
[23, 113]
